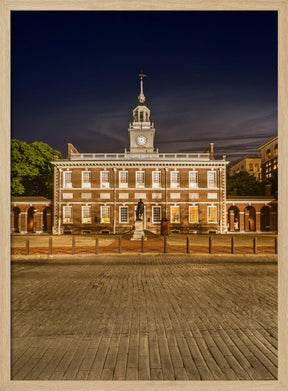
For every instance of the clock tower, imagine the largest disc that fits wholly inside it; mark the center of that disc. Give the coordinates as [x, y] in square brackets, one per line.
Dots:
[141, 130]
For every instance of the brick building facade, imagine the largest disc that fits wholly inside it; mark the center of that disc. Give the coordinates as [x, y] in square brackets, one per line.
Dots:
[99, 192]
[31, 215]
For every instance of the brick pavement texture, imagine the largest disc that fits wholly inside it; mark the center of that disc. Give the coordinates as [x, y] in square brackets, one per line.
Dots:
[143, 318]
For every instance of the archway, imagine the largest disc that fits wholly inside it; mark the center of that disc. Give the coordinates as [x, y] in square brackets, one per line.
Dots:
[250, 218]
[233, 219]
[265, 218]
[30, 219]
[16, 213]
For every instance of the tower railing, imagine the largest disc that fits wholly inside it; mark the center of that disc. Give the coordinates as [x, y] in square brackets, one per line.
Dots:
[140, 156]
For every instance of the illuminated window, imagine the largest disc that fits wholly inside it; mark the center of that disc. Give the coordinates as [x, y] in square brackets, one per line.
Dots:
[193, 214]
[123, 214]
[123, 179]
[193, 179]
[67, 179]
[156, 214]
[86, 179]
[268, 154]
[140, 179]
[175, 179]
[175, 214]
[67, 215]
[86, 214]
[104, 179]
[212, 179]
[212, 214]
[105, 214]
[250, 167]
[156, 179]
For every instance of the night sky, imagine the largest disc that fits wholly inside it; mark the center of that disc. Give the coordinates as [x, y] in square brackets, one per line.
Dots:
[212, 77]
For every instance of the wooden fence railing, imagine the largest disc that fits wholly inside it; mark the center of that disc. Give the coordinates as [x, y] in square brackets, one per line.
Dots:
[161, 245]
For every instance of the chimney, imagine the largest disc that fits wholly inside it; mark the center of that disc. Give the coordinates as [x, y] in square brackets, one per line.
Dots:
[71, 149]
[211, 150]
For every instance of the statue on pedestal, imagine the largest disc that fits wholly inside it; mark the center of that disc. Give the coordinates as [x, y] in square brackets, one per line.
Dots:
[140, 210]
[138, 233]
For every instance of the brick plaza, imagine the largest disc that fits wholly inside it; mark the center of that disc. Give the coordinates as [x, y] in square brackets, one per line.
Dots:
[172, 317]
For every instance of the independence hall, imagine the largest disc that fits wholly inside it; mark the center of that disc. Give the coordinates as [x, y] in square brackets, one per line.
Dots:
[98, 193]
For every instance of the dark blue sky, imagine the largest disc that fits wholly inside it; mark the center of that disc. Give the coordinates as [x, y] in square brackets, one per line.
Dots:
[212, 77]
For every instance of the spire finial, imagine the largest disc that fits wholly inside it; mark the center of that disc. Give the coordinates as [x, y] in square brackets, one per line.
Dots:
[141, 97]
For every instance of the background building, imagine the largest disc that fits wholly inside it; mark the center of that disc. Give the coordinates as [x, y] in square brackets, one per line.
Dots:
[249, 163]
[269, 157]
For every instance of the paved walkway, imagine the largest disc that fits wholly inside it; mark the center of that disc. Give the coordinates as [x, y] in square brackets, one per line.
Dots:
[146, 318]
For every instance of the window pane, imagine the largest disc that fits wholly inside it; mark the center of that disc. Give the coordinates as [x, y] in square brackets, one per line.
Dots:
[105, 177]
[156, 178]
[175, 179]
[140, 179]
[67, 214]
[212, 214]
[67, 179]
[105, 214]
[212, 178]
[86, 214]
[123, 179]
[193, 214]
[193, 178]
[124, 214]
[86, 175]
[156, 214]
[175, 214]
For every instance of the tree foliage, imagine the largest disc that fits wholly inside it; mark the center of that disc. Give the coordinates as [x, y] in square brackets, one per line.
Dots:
[244, 184]
[31, 170]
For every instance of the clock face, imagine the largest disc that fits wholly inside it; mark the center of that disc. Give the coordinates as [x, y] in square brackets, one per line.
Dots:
[141, 140]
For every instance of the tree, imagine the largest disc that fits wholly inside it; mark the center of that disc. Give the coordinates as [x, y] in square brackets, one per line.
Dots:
[244, 184]
[31, 168]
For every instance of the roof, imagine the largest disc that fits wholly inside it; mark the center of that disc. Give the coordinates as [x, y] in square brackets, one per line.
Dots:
[270, 140]
[252, 198]
[30, 199]
[258, 156]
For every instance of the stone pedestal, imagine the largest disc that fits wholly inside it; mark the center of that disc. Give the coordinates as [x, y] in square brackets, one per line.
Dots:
[139, 230]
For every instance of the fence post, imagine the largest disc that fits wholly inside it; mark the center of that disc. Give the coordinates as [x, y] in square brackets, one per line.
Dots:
[232, 245]
[165, 244]
[142, 244]
[255, 244]
[210, 244]
[73, 245]
[187, 245]
[96, 245]
[120, 244]
[276, 245]
[50, 246]
[27, 246]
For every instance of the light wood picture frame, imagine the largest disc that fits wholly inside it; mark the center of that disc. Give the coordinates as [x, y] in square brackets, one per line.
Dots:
[6, 6]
